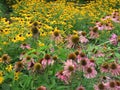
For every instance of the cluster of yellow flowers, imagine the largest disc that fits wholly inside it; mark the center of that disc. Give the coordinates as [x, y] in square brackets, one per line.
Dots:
[49, 16]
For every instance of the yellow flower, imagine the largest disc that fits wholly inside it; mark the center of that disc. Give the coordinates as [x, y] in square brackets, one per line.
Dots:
[1, 73]
[1, 79]
[5, 43]
[9, 68]
[28, 35]
[16, 75]
[14, 40]
[41, 44]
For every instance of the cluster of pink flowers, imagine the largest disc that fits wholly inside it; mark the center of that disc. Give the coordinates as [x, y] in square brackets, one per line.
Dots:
[69, 67]
[106, 26]
[112, 68]
[109, 85]
[115, 17]
[81, 63]
[86, 65]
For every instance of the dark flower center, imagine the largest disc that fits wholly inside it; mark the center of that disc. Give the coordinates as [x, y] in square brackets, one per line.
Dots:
[83, 33]
[4, 58]
[35, 23]
[75, 39]
[112, 84]
[82, 54]
[72, 56]
[37, 67]
[70, 68]
[95, 29]
[105, 66]
[47, 56]
[34, 30]
[56, 33]
[77, 52]
[101, 86]
[28, 58]
[83, 62]
[118, 83]
[19, 64]
[113, 66]
[89, 70]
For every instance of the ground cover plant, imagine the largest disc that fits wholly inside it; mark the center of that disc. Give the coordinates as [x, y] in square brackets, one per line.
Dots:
[59, 45]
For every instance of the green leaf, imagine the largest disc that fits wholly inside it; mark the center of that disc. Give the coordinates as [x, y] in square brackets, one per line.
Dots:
[5, 87]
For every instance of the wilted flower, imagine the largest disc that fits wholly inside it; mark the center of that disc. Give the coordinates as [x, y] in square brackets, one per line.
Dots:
[19, 66]
[5, 58]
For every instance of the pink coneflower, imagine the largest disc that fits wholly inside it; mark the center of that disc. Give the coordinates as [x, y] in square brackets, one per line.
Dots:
[69, 67]
[111, 85]
[90, 72]
[92, 62]
[108, 27]
[62, 77]
[117, 84]
[115, 19]
[47, 61]
[41, 88]
[83, 38]
[73, 41]
[94, 33]
[101, 27]
[81, 56]
[105, 68]
[100, 86]
[56, 36]
[28, 61]
[80, 88]
[84, 63]
[115, 69]
[113, 39]
[25, 46]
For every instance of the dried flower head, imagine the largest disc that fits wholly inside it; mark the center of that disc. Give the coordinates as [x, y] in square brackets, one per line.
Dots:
[5, 58]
